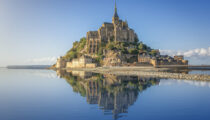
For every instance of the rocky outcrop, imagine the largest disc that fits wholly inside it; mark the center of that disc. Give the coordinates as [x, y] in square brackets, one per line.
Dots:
[114, 58]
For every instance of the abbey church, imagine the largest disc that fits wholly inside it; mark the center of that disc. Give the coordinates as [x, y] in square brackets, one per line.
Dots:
[118, 30]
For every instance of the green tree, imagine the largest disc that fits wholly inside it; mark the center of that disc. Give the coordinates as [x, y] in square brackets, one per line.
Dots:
[76, 49]
[133, 51]
[111, 46]
[75, 44]
[81, 44]
[153, 52]
[142, 46]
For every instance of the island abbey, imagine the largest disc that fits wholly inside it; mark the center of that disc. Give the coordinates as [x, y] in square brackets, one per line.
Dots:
[114, 44]
[117, 31]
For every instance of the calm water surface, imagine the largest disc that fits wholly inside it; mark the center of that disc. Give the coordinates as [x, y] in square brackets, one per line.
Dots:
[74, 95]
[205, 72]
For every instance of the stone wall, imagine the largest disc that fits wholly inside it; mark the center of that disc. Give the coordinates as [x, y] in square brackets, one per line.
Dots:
[162, 60]
[92, 65]
[144, 59]
[61, 63]
[82, 62]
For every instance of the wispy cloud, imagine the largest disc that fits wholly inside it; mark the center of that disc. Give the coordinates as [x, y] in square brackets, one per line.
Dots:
[42, 61]
[199, 52]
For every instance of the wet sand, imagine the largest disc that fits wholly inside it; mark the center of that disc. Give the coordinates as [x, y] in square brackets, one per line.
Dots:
[146, 72]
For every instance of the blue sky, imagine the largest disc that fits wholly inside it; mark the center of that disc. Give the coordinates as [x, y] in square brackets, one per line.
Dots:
[38, 31]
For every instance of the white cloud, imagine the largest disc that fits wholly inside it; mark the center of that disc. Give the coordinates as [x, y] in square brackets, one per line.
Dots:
[195, 56]
[199, 52]
[42, 61]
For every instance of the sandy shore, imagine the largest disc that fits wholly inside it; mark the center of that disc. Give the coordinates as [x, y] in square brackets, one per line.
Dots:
[145, 72]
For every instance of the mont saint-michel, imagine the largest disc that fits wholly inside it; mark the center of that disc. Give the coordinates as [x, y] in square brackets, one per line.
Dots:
[104, 60]
[114, 44]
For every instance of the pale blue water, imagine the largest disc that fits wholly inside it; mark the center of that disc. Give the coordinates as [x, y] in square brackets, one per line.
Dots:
[42, 95]
[205, 72]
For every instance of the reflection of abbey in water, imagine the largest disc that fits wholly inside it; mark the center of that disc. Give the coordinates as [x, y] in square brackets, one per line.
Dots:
[112, 93]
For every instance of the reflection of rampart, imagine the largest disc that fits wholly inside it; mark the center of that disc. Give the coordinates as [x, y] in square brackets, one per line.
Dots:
[80, 74]
[112, 93]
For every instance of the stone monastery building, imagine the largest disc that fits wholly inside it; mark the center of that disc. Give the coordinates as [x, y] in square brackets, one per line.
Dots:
[118, 30]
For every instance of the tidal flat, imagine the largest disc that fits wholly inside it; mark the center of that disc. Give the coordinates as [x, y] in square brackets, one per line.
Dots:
[148, 72]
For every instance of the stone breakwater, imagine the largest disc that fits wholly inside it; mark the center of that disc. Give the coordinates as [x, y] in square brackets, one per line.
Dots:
[164, 75]
[151, 72]
[146, 72]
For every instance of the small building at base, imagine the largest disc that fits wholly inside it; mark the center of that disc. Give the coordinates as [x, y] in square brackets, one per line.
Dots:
[82, 62]
[162, 60]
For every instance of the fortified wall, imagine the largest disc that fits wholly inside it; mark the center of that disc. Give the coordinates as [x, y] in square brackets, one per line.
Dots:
[82, 62]
[162, 60]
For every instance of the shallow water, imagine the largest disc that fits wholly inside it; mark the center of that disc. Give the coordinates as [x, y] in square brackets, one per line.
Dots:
[205, 72]
[74, 95]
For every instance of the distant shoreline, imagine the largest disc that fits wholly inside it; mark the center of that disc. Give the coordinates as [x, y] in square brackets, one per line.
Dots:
[28, 67]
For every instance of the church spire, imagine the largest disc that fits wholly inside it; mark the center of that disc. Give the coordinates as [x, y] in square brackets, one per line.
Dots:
[115, 11]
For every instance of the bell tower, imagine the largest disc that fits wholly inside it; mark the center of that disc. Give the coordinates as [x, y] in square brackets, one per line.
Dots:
[115, 18]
